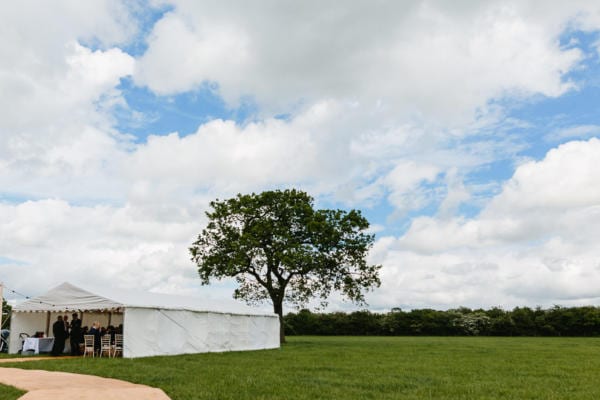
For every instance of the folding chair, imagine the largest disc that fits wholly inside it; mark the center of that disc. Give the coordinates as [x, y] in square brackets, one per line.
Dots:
[118, 347]
[105, 346]
[22, 337]
[88, 345]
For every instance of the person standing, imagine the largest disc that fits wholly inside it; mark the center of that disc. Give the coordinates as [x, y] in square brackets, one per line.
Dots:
[75, 338]
[60, 335]
[95, 330]
[67, 332]
[66, 321]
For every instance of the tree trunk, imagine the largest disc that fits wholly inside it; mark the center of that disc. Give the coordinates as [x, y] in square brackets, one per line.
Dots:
[278, 309]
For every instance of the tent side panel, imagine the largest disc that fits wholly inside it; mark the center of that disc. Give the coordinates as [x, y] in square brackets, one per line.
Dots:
[28, 323]
[150, 332]
[140, 332]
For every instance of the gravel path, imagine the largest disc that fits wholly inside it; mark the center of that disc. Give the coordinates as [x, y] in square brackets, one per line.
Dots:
[46, 385]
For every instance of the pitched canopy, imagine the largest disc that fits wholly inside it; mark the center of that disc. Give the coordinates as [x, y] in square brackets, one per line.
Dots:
[67, 297]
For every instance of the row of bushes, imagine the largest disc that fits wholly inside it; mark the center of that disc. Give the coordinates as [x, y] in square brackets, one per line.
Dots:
[521, 321]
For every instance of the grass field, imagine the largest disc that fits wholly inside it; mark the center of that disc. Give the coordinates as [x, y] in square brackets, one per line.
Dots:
[9, 393]
[370, 368]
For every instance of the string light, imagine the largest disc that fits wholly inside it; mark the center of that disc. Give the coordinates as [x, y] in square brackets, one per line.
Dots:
[26, 297]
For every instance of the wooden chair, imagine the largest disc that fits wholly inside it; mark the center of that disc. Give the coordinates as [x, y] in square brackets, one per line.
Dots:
[118, 346]
[105, 346]
[88, 345]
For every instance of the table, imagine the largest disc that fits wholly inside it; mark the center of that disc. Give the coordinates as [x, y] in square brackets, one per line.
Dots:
[43, 345]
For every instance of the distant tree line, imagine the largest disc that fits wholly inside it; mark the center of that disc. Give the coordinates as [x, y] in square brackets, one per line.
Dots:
[521, 321]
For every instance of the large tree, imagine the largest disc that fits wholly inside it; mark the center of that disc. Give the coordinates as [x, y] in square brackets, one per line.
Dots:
[278, 247]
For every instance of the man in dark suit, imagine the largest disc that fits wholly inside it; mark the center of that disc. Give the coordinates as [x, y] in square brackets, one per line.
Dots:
[60, 335]
[75, 335]
[67, 326]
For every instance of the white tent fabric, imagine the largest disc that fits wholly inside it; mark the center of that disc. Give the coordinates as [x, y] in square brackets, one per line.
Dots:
[153, 324]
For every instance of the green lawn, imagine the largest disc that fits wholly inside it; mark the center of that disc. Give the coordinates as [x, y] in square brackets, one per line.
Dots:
[370, 368]
[9, 392]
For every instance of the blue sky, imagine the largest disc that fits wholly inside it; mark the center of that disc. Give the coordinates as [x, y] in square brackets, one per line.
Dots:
[466, 133]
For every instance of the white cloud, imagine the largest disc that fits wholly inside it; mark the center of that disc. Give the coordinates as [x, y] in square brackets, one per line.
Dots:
[331, 149]
[315, 148]
[567, 178]
[404, 185]
[574, 132]
[423, 58]
[55, 242]
[534, 243]
[94, 74]
[456, 194]
[56, 135]
[210, 52]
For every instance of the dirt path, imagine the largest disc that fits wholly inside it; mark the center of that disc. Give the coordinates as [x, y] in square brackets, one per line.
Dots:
[46, 385]
[23, 359]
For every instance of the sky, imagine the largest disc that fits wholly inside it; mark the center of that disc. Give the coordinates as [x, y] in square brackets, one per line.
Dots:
[467, 132]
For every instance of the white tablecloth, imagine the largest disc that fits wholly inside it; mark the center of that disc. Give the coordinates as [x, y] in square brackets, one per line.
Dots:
[38, 345]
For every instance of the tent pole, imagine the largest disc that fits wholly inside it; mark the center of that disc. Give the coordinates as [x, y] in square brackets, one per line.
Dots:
[48, 324]
[1, 304]
[109, 318]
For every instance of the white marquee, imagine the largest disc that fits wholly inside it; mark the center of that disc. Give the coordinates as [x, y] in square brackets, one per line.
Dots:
[153, 324]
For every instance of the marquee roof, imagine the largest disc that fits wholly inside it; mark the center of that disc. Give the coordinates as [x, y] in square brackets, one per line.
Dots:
[70, 298]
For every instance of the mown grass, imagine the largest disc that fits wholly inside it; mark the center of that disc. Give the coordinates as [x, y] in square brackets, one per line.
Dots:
[369, 368]
[9, 392]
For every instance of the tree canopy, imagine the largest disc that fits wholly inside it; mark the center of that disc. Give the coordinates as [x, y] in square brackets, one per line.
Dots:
[278, 247]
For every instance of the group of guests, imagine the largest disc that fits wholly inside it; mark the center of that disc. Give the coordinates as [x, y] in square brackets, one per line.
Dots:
[62, 330]
[99, 331]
